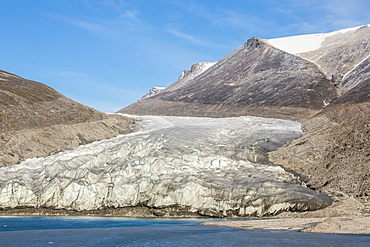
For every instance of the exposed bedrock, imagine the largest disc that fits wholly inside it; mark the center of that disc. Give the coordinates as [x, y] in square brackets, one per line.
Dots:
[173, 166]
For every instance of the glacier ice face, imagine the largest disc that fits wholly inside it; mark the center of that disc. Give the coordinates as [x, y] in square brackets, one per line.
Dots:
[192, 166]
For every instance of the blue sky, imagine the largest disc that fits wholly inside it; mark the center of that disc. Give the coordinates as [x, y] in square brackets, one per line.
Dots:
[107, 53]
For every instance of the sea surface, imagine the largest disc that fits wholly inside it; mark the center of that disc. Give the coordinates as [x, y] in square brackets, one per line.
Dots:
[100, 231]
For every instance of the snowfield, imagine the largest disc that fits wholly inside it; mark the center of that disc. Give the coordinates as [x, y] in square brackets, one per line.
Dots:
[306, 43]
[172, 166]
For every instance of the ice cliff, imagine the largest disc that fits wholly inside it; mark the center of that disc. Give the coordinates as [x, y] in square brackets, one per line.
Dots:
[172, 166]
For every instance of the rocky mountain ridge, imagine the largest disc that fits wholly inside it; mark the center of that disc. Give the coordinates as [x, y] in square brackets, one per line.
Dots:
[184, 78]
[253, 79]
[338, 54]
[188, 75]
[152, 92]
[255, 76]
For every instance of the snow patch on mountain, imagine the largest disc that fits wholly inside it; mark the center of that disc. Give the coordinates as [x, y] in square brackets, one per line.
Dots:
[196, 69]
[298, 44]
[349, 72]
[309, 42]
[187, 75]
[153, 92]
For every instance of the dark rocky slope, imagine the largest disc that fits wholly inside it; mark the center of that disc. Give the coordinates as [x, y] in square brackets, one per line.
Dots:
[256, 79]
[36, 120]
[334, 154]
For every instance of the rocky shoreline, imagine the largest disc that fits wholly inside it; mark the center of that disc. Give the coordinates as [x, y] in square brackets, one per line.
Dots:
[345, 216]
[134, 212]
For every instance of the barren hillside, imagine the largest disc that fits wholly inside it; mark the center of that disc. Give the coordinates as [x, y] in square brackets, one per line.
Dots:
[36, 120]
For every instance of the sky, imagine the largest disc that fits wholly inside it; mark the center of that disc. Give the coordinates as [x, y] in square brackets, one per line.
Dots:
[106, 54]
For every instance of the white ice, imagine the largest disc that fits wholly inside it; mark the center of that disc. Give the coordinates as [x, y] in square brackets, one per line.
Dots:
[203, 164]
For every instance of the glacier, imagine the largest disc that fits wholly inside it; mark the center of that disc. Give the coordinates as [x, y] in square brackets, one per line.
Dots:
[170, 166]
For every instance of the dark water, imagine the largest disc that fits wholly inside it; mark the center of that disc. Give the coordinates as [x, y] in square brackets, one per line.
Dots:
[84, 231]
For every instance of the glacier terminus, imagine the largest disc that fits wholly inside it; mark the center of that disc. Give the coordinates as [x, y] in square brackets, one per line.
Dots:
[170, 166]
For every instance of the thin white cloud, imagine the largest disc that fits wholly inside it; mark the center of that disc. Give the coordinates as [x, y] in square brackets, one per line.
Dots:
[342, 14]
[192, 39]
[304, 16]
[120, 10]
[215, 16]
[237, 20]
[109, 29]
[336, 14]
[129, 17]
[185, 36]
[116, 5]
[87, 25]
[94, 27]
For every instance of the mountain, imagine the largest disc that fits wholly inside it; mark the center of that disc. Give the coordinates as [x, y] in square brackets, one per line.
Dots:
[291, 78]
[36, 120]
[333, 155]
[321, 80]
[255, 79]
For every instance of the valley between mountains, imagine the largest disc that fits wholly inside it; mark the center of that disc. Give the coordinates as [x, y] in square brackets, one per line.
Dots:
[277, 127]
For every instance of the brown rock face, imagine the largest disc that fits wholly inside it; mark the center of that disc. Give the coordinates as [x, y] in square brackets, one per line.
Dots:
[36, 120]
[255, 76]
